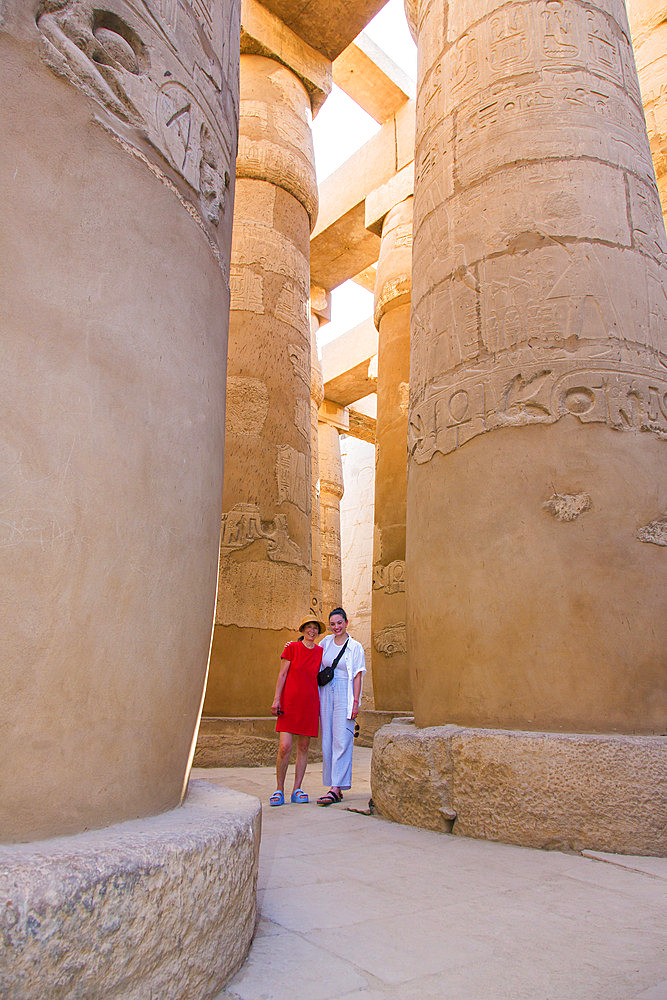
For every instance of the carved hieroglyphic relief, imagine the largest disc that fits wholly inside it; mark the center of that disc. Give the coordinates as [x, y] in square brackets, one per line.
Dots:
[164, 76]
[243, 525]
[391, 640]
[302, 416]
[513, 392]
[390, 578]
[300, 361]
[293, 482]
[247, 405]
[246, 290]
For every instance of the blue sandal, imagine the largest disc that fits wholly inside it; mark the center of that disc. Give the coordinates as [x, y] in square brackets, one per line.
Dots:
[277, 799]
[298, 795]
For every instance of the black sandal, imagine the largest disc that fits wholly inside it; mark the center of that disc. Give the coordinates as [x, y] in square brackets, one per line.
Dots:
[330, 798]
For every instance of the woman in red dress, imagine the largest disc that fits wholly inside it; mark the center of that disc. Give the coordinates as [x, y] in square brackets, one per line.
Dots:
[297, 706]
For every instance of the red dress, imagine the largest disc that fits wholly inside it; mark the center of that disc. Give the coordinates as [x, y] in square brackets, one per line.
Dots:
[300, 701]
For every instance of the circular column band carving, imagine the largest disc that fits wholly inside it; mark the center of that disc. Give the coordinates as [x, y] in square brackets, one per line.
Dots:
[393, 283]
[275, 140]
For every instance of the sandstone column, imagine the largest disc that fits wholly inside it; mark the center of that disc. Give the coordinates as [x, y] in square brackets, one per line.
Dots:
[331, 492]
[391, 680]
[119, 139]
[536, 508]
[316, 397]
[264, 583]
[648, 23]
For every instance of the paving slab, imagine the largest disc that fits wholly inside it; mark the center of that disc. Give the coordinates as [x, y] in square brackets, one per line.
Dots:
[353, 906]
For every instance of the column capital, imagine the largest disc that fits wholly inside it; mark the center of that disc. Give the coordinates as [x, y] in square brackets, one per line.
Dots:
[393, 285]
[275, 138]
[334, 415]
[264, 34]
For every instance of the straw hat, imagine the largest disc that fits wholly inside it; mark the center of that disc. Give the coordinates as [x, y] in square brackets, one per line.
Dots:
[311, 618]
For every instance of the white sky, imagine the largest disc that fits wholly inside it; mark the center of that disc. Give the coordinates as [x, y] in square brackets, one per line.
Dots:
[342, 127]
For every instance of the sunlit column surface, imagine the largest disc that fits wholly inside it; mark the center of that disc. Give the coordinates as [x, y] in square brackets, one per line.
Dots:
[119, 136]
[648, 23]
[391, 680]
[536, 508]
[331, 492]
[265, 544]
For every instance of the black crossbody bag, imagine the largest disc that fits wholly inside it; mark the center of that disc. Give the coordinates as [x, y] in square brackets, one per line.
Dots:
[325, 676]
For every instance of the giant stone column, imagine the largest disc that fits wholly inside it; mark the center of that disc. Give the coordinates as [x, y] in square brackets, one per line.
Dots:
[316, 397]
[119, 140]
[391, 680]
[538, 410]
[648, 23]
[119, 130]
[331, 492]
[264, 587]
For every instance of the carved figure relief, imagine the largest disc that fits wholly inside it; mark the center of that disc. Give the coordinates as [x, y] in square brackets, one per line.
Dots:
[160, 81]
[390, 578]
[243, 525]
[293, 484]
[391, 640]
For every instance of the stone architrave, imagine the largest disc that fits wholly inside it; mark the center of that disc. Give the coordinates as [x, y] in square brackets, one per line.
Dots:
[538, 397]
[648, 24]
[331, 492]
[119, 140]
[316, 397]
[265, 560]
[391, 678]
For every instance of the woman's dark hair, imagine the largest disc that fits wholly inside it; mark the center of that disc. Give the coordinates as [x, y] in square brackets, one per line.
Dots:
[338, 611]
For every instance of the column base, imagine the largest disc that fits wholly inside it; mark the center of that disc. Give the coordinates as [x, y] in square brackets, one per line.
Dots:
[370, 720]
[568, 792]
[163, 907]
[242, 741]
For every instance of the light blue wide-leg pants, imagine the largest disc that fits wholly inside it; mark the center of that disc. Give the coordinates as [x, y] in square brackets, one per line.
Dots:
[337, 733]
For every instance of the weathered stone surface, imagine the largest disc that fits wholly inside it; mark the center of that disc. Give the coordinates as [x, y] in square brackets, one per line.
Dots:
[539, 313]
[242, 742]
[157, 907]
[411, 775]
[391, 676]
[356, 535]
[549, 790]
[648, 23]
[331, 491]
[119, 141]
[265, 549]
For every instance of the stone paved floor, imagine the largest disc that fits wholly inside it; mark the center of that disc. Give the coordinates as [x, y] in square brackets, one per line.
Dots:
[354, 906]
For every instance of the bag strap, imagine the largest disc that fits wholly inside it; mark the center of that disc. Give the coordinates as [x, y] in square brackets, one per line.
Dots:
[335, 662]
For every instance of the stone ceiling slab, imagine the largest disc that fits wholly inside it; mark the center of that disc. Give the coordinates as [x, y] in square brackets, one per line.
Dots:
[328, 25]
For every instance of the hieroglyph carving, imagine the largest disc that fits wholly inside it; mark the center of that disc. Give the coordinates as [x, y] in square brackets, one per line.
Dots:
[243, 525]
[514, 395]
[293, 483]
[390, 578]
[247, 405]
[391, 640]
[164, 74]
[300, 361]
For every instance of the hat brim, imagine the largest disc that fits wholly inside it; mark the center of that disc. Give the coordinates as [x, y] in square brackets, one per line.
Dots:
[322, 627]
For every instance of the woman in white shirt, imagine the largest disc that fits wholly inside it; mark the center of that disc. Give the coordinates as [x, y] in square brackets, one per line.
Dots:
[339, 706]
